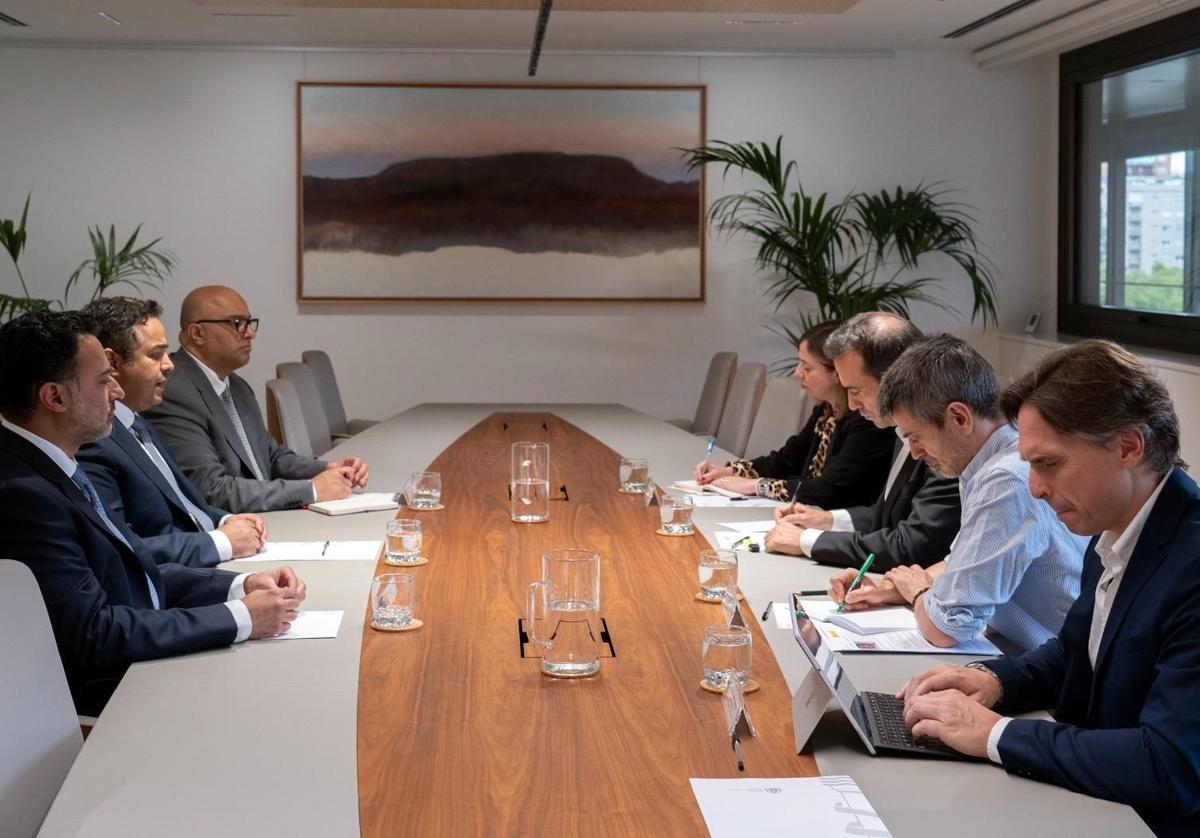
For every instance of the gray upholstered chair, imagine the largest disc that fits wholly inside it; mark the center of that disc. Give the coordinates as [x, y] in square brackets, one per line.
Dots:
[285, 418]
[311, 407]
[331, 397]
[780, 415]
[712, 396]
[742, 406]
[41, 731]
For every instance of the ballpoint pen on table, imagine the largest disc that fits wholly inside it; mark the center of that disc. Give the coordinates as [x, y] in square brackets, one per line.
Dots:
[737, 749]
[767, 611]
[326, 547]
[862, 571]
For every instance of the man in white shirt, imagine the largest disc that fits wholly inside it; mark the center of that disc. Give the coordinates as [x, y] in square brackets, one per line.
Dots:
[211, 421]
[134, 473]
[1102, 441]
[109, 603]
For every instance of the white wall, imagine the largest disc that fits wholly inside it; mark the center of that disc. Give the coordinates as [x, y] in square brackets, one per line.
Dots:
[200, 145]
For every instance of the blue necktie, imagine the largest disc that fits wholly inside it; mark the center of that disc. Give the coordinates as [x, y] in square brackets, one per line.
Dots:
[202, 520]
[89, 491]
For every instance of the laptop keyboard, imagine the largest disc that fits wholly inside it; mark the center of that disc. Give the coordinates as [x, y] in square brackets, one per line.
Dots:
[888, 714]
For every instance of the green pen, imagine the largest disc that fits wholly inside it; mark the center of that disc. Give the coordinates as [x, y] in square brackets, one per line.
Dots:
[862, 571]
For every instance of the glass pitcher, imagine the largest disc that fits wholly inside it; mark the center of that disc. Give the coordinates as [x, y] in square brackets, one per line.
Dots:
[530, 486]
[564, 613]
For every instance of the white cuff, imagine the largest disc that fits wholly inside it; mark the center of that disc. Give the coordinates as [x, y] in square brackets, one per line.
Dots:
[808, 539]
[222, 543]
[237, 588]
[224, 518]
[841, 521]
[314, 491]
[993, 743]
[241, 615]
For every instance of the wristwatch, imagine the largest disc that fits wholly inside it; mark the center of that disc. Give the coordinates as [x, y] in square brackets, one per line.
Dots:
[913, 601]
[982, 667]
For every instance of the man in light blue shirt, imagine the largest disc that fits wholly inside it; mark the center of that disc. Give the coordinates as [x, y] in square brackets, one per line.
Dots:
[1014, 567]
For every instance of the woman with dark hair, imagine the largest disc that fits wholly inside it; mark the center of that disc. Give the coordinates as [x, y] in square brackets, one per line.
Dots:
[838, 460]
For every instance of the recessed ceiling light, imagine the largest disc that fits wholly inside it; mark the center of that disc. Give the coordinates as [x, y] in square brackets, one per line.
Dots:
[747, 22]
[109, 18]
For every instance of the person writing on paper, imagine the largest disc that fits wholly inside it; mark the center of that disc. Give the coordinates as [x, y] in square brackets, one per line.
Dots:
[1102, 441]
[840, 458]
[134, 473]
[916, 516]
[1014, 567]
[110, 604]
[211, 421]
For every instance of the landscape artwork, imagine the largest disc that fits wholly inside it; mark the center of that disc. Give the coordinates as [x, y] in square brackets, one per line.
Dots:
[445, 192]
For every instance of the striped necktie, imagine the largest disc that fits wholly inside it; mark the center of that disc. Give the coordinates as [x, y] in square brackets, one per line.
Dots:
[89, 491]
[201, 519]
[231, 409]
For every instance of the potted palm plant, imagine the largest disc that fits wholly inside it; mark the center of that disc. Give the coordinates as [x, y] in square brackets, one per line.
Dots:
[861, 253]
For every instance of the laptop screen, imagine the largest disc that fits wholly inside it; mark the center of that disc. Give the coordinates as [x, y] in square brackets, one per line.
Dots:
[826, 663]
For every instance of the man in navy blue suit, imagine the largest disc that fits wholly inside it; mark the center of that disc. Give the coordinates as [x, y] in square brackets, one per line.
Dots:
[109, 603]
[1123, 676]
[135, 474]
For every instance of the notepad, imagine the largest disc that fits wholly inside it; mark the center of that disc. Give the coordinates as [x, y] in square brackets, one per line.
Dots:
[909, 641]
[365, 502]
[691, 487]
[873, 621]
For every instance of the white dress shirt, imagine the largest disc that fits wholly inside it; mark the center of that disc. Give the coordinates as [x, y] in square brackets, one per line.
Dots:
[1114, 550]
[237, 590]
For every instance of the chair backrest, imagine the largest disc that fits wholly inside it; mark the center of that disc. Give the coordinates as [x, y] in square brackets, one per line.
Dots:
[284, 404]
[302, 378]
[331, 396]
[779, 416]
[41, 735]
[714, 394]
[738, 418]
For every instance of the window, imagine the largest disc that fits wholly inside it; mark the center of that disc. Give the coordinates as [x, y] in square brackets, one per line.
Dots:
[1129, 231]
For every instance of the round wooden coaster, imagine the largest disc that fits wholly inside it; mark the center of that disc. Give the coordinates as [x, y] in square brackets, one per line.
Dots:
[419, 561]
[632, 491]
[750, 686]
[715, 601]
[676, 534]
[424, 508]
[413, 626]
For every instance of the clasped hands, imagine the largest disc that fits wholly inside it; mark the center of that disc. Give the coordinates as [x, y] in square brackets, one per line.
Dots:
[340, 478]
[791, 519]
[273, 599]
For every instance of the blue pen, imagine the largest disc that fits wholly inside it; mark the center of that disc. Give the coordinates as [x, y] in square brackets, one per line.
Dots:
[712, 444]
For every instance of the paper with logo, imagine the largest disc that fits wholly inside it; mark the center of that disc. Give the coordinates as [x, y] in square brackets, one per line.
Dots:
[840, 639]
[785, 807]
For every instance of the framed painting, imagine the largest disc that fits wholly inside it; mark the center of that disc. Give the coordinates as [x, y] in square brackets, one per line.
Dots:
[498, 192]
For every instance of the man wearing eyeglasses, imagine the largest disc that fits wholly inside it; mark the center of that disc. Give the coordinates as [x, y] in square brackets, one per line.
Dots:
[212, 423]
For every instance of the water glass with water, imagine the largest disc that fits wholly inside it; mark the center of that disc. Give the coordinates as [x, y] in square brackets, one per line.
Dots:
[676, 514]
[718, 571]
[725, 648]
[403, 543]
[634, 474]
[393, 599]
[424, 490]
[530, 482]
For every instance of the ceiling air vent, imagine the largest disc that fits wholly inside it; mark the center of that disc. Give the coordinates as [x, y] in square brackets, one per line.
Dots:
[11, 21]
[989, 19]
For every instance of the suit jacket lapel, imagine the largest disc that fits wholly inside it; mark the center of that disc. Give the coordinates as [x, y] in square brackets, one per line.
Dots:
[124, 437]
[196, 376]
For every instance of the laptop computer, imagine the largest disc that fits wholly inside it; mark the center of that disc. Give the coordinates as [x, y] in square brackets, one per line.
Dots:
[877, 718]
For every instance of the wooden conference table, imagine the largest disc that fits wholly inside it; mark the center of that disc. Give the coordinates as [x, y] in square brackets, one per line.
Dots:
[449, 731]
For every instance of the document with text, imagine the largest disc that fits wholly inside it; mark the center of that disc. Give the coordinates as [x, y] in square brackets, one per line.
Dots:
[786, 807]
[841, 639]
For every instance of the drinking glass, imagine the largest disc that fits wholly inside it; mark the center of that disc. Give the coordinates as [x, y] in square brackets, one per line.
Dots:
[718, 570]
[403, 541]
[530, 486]
[424, 490]
[393, 599]
[634, 473]
[725, 648]
[676, 514]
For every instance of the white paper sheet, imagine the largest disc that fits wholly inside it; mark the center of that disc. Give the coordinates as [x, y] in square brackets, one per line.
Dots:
[310, 625]
[745, 527]
[727, 538]
[783, 615]
[785, 807]
[840, 640]
[874, 621]
[309, 551]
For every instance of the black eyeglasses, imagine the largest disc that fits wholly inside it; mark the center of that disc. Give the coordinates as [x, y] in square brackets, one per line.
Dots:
[241, 325]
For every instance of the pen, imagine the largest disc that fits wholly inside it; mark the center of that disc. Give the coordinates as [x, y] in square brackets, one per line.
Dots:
[326, 547]
[737, 749]
[862, 571]
[767, 610]
[712, 443]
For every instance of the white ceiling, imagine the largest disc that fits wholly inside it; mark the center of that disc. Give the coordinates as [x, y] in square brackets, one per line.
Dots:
[869, 24]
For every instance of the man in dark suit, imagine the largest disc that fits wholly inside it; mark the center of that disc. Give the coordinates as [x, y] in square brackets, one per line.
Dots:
[1102, 441]
[135, 474]
[211, 421]
[917, 515]
[109, 603]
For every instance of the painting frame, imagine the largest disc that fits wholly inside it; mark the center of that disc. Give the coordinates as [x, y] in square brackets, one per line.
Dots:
[310, 295]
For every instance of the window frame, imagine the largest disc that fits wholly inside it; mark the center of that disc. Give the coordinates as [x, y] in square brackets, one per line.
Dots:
[1158, 41]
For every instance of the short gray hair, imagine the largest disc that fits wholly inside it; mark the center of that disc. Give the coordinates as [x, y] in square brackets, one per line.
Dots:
[932, 374]
[879, 336]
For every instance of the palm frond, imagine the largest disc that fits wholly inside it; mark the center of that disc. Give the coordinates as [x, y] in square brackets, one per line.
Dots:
[12, 307]
[139, 268]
